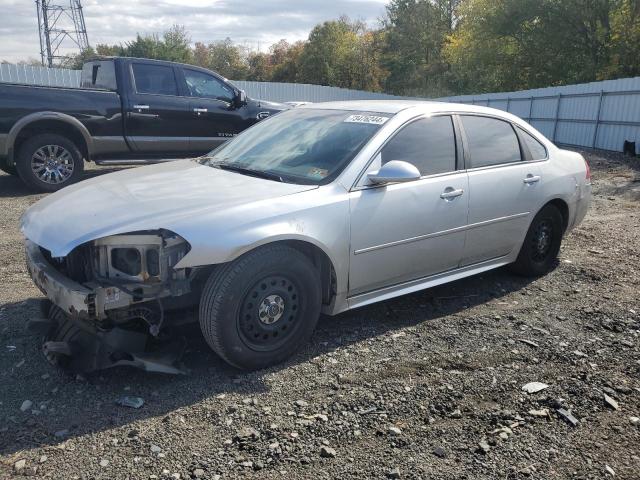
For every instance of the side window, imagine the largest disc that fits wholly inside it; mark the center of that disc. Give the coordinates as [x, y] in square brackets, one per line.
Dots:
[99, 75]
[429, 144]
[207, 86]
[538, 151]
[491, 141]
[154, 79]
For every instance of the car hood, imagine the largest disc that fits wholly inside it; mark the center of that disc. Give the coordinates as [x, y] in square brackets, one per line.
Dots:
[145, 198]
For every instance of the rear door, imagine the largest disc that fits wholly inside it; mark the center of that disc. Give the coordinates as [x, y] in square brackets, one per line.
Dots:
[504, 188]
[405, 231]
[156, 114]
[214, 118]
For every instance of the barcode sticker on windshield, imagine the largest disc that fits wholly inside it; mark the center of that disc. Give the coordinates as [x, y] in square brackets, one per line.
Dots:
[371, 119]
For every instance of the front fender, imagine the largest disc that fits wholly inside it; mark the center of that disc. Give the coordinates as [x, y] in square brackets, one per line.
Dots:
[325, 226]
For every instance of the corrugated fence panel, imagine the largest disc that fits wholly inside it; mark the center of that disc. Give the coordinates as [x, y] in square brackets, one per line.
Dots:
[293, 92]
[598, 114]
[34, 75]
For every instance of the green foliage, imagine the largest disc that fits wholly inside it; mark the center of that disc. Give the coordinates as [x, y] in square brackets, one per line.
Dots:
[429, 48]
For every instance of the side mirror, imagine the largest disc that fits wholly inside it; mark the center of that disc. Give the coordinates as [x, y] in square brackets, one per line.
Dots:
[241, 99]
[395, 171]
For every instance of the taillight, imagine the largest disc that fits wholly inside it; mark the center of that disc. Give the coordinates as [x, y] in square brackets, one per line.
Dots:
[586, 164]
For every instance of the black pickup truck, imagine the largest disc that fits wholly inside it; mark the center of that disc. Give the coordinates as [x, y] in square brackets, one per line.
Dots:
[126, 108]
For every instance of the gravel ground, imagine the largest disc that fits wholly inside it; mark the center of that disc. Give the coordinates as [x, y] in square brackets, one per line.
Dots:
[424, 386]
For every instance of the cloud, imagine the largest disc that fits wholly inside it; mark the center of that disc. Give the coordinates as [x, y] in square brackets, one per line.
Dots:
[256, 23]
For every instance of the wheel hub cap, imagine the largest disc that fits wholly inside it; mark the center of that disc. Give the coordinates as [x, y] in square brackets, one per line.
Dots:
[52, 164]
[271, 309]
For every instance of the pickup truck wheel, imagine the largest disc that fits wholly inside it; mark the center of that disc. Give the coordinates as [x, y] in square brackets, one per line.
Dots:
[541, 245]
[258, 310]
[49, 162]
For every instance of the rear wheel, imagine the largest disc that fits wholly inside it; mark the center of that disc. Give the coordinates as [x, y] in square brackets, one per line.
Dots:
[541, 245]
[49, 162]
[9, 169]
[258, 310]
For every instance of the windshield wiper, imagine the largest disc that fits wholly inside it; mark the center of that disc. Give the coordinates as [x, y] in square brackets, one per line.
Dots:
[251, 172]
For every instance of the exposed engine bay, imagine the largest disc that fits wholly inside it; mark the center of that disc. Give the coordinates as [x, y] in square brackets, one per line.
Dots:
[111, 298]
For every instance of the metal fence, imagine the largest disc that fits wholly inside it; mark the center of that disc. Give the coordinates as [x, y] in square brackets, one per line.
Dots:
[595, 115]
[34, 75]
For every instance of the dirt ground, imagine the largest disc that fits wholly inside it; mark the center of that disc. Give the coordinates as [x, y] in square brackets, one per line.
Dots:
[423, 386]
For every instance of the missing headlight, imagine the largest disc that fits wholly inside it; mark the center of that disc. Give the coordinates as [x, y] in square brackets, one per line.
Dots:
[127, 260]
[139, 257]
[153, 262]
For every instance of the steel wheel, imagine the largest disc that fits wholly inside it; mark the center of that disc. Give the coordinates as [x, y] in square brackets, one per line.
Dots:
[269, 312]
[541, 241]
[52, 164]
[541, 244]
[257, 310]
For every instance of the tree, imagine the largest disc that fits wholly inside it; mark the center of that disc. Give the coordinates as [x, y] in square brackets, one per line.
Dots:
[624, 44]
[176, 45]
[259, 67]
[227, 59]
[415, 33]
[341, 53]
[285, 60]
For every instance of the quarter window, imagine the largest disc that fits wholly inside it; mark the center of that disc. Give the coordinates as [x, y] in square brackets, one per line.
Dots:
[154, 79]
[428, 143]
[491, 141]
[203, 85]
[537, 150]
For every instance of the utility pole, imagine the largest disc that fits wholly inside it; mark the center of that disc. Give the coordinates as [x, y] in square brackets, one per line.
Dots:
[61, 28]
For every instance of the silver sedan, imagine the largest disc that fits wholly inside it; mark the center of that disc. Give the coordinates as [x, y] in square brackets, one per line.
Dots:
[324, 208]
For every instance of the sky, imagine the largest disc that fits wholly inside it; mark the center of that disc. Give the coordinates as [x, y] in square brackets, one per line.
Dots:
[255, 23]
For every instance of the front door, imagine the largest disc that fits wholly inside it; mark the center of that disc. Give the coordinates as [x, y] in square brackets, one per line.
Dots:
[405, 231]
[504, 189]
[156, 115]
[214, 118]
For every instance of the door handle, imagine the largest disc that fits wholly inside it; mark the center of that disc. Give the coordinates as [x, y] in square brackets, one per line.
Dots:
[531, 179]
[141, 107]
[200, 110]
[450, 193]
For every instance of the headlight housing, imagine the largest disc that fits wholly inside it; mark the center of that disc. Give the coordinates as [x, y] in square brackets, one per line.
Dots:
[147, 257]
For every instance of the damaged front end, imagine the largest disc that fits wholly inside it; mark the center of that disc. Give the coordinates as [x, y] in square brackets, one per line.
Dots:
[110, 300]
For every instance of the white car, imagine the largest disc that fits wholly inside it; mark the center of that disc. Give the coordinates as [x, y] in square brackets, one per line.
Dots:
[323, 208]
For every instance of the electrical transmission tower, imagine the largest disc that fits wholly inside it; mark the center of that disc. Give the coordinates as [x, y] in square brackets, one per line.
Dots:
[61, 28]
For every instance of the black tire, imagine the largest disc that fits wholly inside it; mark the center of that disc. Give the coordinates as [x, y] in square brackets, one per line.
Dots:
[259, 309]
[9, 169]
[541, 244]
[70, 163]
[62, 330]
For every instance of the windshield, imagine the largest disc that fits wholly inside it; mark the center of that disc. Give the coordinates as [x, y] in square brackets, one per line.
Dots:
[299, 146]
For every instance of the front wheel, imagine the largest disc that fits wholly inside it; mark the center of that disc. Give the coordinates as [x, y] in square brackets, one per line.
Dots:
[541, 245]
[259, 309]
[49, 162]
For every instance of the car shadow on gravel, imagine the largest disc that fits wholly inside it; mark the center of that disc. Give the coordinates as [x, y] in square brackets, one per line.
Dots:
[64, 406]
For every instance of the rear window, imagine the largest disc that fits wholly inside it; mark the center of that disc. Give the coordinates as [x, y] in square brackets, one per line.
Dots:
[154, 79]
[491, 141]
[100, 75]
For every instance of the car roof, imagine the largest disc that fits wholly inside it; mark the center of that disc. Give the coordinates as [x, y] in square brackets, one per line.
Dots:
[396, 106]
